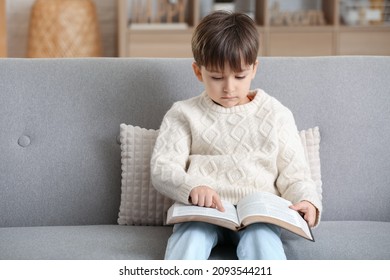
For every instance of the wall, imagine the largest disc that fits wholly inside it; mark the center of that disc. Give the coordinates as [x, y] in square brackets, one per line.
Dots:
[18, 17]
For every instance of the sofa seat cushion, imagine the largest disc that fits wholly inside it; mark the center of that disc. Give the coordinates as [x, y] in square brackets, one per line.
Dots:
[334, 240]
[348, 240]
[97, 242]
[342, 240]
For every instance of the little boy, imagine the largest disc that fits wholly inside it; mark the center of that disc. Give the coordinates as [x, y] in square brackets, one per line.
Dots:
[229, 142]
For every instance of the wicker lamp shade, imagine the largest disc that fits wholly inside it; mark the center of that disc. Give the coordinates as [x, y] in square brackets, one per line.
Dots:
[64, 28]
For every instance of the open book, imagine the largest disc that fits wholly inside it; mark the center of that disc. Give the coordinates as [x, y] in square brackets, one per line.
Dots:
[261, 207]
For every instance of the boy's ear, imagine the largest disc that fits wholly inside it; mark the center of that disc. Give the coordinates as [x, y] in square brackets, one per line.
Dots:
[197, 71]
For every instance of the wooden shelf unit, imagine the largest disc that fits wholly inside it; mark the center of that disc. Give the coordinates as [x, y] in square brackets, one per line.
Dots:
[3, 29]
[333, 38]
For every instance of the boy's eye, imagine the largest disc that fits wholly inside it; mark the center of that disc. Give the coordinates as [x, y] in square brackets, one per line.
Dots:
[216, 78]
[240, 77]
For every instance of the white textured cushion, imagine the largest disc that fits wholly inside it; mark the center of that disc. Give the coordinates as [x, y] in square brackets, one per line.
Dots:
[141, 204]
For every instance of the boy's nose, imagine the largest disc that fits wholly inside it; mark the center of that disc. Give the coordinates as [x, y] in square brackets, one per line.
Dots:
[229, 86]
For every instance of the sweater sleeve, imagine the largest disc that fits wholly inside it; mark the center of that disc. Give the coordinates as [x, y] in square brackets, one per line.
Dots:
[294, 180]
[170, 158]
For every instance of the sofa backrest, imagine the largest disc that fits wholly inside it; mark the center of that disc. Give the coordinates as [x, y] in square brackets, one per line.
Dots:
[59, 127]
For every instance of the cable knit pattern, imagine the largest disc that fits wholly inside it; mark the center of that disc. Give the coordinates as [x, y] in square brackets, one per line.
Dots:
[140, 202]
[310, 139]
[236, 151]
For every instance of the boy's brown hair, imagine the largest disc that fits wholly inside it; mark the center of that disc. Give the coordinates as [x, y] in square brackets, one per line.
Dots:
[225, 37]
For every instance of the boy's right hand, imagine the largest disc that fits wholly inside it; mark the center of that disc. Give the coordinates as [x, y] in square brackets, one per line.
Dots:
[206, 197]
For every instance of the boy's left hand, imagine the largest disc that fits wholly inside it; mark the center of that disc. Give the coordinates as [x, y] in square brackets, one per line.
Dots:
[308, 210]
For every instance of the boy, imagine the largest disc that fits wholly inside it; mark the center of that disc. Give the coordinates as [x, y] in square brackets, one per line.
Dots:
[229, 142]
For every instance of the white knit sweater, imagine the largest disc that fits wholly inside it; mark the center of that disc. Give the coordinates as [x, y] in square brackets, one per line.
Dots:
[236, 151]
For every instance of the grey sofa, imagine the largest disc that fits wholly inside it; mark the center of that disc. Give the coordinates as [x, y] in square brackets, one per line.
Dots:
[60, 162]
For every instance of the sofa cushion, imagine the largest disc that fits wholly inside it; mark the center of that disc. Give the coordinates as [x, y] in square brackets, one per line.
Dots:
[94, 242]
[141, 204]
[341, 240]
[334, 240]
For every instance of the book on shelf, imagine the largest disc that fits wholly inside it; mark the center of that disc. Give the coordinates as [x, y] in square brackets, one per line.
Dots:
[261, 207]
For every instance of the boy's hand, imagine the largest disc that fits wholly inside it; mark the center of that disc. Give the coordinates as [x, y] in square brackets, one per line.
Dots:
[308, 210]
[206, 197]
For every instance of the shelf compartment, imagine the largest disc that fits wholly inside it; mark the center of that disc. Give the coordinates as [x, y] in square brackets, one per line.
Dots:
[296, 42]
[364, 41]
[159, 43]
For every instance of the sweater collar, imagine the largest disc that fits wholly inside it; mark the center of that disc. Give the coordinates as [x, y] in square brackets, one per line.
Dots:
[257, 94]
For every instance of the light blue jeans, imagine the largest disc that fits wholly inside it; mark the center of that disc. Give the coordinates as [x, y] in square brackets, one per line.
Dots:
[195, 240]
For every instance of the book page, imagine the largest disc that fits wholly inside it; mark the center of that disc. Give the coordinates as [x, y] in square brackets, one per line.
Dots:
[180, 212]
[274, 208]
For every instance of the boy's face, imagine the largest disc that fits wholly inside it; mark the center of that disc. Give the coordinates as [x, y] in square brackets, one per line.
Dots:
[226, 87]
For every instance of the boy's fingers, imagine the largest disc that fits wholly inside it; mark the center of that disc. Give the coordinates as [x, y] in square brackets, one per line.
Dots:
[194, 199]
[218, 204]
[293, 207]
[209, 201]
[309, 216]
[206, 197]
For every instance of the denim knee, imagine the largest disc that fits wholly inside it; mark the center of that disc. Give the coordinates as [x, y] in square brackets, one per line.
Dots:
[260, 241]
[191, 240]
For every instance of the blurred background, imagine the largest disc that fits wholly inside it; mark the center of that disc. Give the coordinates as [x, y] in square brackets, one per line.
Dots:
[163, 28]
